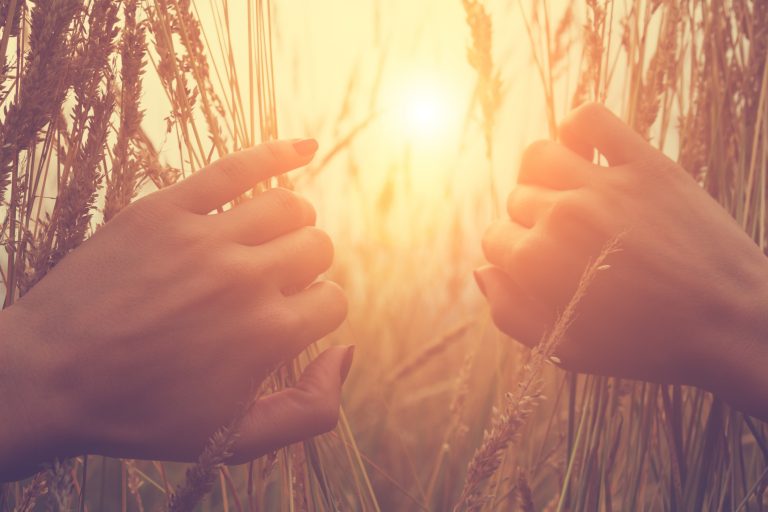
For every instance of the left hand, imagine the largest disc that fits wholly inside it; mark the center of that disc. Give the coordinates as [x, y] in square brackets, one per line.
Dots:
[150, 336]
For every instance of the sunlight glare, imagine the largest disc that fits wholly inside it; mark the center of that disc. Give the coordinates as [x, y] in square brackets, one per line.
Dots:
[426, 110]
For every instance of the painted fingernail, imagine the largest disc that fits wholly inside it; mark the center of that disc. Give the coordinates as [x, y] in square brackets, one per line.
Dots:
[480, 283]
[306, 147]
[346, 364]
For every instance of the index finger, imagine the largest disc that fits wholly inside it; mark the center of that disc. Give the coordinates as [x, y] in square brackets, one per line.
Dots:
[592, 126]
[236, 173]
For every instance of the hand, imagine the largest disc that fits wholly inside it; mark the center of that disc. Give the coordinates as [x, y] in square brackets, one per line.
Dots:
[150, 336]
[684, 299]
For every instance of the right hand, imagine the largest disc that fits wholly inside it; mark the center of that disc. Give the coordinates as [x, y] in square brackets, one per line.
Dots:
[149, 337]
[686, 297]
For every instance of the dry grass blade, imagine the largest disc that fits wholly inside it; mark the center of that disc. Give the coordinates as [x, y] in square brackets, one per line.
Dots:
[201, 477]
[524, 494]
[81, 174]
[42, 86]
[480, 56]
[84, 128]
[123, 182]
[430, 351]
[506, 425]
[33, 490]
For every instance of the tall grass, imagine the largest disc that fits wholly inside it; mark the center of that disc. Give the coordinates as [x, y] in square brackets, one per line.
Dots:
[433, 418]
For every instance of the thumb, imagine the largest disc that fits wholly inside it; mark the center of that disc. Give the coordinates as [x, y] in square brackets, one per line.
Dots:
[308, 409]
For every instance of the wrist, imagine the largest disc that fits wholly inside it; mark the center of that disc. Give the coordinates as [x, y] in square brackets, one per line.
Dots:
[737, 359]
[31, 420]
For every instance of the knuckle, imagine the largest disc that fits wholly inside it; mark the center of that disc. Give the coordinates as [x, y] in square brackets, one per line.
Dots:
[640, 177]
[513, 199]
[232, 267]
[524, 255]
[143, 203]
[319, 242]
[288, 320]
[154, 220]
[634, 184]
[151, 209]
[232, 168]
[337, 302]
[190, 234]
[495, 243]
[534, 154]
[537, 158]
[291, 205]
[564, 210]
[660, 167]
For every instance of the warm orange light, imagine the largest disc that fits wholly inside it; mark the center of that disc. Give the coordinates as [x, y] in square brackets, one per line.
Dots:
[425, 109]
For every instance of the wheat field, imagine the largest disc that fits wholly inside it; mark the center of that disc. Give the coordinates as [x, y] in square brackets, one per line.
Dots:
[422, 110]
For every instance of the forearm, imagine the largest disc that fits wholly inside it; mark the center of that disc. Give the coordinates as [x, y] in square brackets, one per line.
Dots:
[25, 419]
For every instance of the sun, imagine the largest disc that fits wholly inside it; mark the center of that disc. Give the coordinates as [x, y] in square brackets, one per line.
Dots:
[425, 109]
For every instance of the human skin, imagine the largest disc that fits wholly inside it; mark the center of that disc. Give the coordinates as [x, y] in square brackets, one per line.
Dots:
[685, 298]
[154, 332]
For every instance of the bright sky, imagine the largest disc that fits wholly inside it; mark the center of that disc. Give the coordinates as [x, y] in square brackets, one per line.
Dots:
[407, 62]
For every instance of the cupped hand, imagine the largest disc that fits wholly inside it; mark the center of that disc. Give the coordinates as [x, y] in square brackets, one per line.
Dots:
[153, 334]
[684, 299]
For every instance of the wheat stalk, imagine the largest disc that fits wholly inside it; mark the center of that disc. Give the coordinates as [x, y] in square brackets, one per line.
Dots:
[506, 425]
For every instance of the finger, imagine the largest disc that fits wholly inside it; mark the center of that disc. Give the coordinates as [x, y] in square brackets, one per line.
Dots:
[537, 262]
[227, 178]
[308, 409]
[594, 126]
[513, 311]
[267, 216]
[581, 148]
[529, 204]
[500, 240]
[549, 164]
[298, 258]
[319, 310]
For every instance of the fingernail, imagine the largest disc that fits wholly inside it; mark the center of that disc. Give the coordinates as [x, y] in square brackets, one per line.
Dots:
[480, 283]
[346, 364]
[306, 147]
